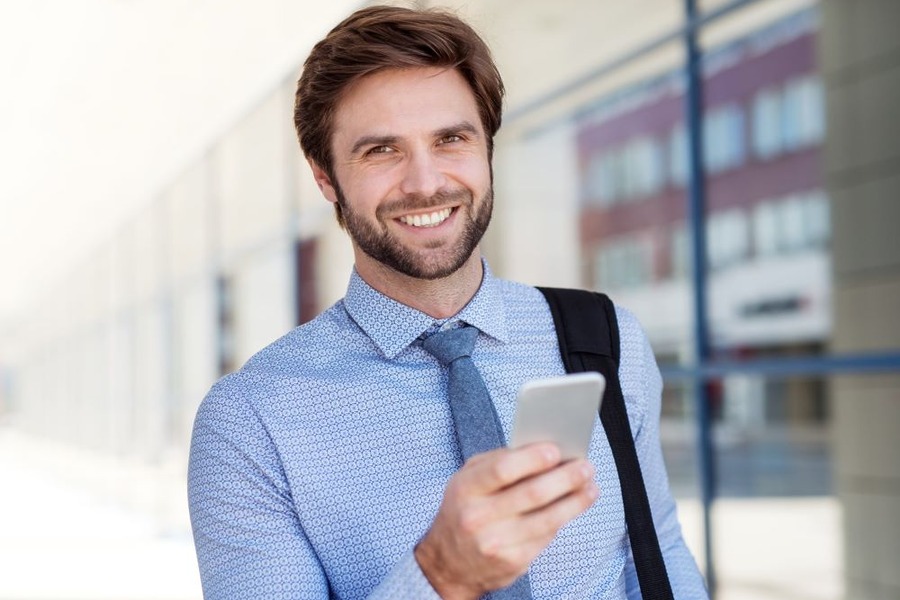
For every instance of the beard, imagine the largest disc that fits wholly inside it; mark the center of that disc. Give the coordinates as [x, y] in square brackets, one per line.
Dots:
[435, 261]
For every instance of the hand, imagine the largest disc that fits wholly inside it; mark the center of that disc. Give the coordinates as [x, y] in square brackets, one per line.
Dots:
[499, 511]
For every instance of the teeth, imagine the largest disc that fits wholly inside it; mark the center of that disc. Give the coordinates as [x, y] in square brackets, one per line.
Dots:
[427, 220]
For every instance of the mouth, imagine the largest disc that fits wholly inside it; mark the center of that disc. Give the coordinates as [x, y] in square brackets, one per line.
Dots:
[430, 219]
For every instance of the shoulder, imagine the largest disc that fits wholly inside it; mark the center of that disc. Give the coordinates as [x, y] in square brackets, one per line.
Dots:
[638, 373]
[634, 345]
[522, 298]
[632, 338]
[288, 370]
[308, 347]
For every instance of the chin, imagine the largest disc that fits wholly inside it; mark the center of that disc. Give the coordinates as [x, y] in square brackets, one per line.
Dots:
[429, 268]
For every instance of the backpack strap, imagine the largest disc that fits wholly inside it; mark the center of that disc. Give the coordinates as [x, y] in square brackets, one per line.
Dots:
[588, 335]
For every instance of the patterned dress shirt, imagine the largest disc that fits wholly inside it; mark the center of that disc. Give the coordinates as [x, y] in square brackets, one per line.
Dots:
[317, 467]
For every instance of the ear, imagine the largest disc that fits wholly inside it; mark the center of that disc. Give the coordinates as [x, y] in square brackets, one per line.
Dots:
[323, 181]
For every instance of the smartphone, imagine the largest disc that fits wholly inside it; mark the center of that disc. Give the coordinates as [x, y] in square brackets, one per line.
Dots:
[560, 410]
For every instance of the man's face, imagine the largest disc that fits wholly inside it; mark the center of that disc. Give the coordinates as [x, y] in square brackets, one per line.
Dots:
[411, 171]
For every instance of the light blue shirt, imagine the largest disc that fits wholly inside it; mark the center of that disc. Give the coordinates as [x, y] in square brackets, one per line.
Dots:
[317, 467]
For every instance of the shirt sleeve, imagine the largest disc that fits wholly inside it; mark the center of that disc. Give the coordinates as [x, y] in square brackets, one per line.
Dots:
[642, 388]
[249, 540]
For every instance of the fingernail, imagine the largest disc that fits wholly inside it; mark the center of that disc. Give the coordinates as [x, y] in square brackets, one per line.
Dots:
[551, 454]
[587, 470]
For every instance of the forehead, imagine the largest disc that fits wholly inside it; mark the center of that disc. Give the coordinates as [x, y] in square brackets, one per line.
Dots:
[404, 102]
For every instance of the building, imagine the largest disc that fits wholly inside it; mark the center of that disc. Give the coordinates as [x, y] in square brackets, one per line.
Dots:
[768, 221]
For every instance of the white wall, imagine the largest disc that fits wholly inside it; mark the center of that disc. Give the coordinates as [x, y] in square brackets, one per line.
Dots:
[535, 224]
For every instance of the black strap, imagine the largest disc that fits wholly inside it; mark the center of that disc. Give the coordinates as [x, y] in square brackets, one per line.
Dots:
[589, 341]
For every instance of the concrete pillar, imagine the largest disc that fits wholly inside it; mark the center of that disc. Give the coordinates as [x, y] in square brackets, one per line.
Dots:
[860, 55]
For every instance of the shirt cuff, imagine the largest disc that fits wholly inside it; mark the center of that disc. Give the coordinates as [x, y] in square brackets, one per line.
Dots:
[405, 582]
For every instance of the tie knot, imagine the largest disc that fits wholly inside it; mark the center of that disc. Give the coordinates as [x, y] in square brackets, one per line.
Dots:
[447, 346]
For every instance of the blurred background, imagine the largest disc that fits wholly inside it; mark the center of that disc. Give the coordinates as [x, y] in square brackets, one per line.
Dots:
[729, 170]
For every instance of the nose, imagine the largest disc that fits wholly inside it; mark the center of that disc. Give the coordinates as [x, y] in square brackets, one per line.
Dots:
[423, 175]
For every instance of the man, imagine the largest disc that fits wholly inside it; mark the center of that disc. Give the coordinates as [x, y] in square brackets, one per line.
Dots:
[329, 465]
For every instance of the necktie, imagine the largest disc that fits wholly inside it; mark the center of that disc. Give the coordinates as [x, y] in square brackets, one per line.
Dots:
[474, 418]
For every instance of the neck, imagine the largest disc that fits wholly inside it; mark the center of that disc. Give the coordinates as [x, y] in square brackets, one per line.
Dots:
[438, 298]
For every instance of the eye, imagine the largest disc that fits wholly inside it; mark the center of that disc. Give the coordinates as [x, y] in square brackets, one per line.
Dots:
[379, 150]
[449, 139]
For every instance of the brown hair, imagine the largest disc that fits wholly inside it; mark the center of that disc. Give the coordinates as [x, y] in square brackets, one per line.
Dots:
[387, 37]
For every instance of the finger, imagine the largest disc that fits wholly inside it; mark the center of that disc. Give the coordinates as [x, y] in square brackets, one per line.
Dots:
[540, 490]
[501, 468]
[541, 526]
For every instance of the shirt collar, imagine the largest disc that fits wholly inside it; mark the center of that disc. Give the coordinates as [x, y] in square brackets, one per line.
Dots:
[393, 326]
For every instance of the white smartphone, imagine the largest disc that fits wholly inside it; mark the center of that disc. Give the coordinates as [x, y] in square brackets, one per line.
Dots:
[560, 410]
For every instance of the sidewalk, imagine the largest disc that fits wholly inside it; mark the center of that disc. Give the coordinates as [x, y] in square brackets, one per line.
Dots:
[77, 526]
[771, 548]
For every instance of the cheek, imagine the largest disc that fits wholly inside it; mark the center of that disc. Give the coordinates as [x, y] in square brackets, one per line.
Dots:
[475, 176]
[367, 190]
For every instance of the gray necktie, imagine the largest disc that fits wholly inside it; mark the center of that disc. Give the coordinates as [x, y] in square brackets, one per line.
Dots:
[474, 418]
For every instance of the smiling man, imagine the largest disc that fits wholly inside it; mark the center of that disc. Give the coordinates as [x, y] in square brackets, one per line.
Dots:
[334, 463]
[411, 178]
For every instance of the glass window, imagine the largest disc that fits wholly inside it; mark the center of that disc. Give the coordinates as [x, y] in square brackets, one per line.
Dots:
[604, 183]
[767, 124]
[791, 126]
[652, 161]
[678, 162]
[818, 218]
[712, 153]
[713, 241]
[645, 167]
[734, 132]
[723, 139]
[679, 259]
[631, 156]
[765, 229]
[727, 238]
[737, 235]
[804, 112]
[793, 224]
[624, 263]
[596, 184]
[814, 109]
[616, 172]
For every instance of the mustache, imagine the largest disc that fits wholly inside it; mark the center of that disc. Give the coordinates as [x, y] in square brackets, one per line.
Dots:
[417, 202]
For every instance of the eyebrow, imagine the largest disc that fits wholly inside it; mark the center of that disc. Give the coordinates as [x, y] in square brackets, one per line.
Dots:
[461, 127]
[386, 140]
